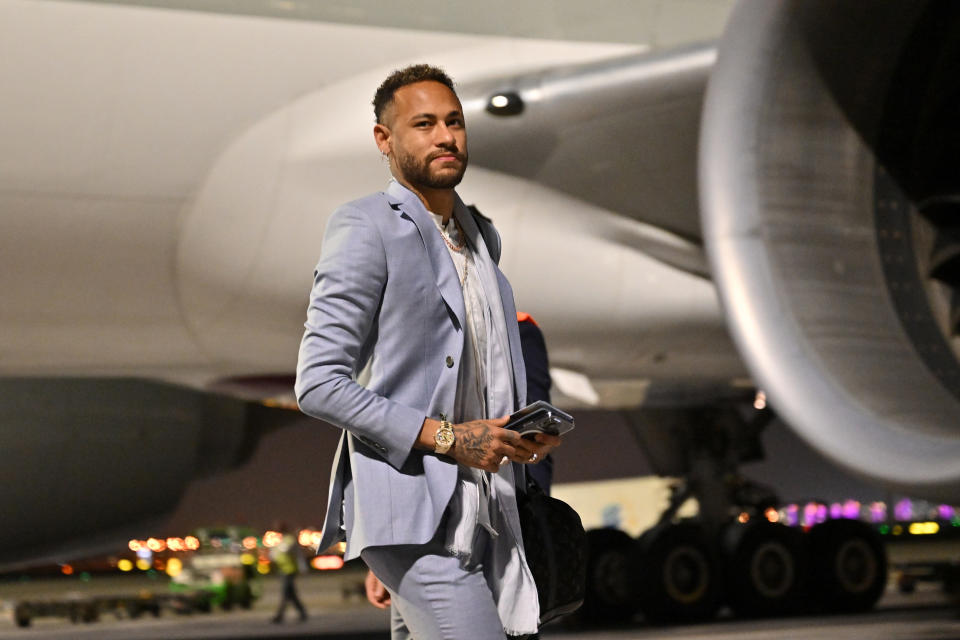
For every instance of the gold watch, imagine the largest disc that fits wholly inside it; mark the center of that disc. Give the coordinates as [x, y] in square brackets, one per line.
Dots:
[444, 438]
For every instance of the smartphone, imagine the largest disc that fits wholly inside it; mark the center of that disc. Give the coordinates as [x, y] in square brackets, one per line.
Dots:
[540, 417]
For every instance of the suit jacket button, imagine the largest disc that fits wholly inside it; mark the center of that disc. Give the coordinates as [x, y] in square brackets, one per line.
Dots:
[449, 362]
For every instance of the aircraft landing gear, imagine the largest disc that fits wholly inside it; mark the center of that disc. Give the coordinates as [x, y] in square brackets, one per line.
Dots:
[609, 598]
[675, 573]
[765, 568]
[849, 565]
[730, 554]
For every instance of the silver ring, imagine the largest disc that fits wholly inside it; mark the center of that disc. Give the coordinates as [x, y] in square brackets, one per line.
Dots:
[534, 457]
[504, 460]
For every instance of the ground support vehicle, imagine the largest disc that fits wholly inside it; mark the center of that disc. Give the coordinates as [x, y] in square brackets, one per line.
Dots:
[89, 608]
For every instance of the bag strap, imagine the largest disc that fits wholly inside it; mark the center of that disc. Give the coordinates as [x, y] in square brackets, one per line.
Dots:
[490, 237]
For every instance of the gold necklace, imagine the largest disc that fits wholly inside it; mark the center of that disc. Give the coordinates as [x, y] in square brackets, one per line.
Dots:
[454, 247]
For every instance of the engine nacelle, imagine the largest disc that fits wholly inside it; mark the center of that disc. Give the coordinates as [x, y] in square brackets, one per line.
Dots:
[827, 173]
[91, 462]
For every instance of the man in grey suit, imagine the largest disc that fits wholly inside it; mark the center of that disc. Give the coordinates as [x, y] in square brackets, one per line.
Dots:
[412, 347]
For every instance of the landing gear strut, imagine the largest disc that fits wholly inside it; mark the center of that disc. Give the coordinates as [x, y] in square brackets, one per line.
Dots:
[731, 553]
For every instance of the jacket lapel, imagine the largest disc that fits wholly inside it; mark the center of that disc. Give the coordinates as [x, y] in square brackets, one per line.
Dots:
[404, 201]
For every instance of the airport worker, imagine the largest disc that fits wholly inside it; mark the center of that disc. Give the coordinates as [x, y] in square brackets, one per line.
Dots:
[412, 347]
[288, 559]
[538, 385]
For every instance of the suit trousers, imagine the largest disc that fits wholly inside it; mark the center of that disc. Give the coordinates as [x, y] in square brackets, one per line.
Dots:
[433, 596]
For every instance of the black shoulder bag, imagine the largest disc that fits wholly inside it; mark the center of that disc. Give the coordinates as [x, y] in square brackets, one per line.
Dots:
[556, 549]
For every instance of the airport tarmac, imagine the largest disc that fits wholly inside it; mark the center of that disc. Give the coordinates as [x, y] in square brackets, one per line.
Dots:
[339, 610]
[355, 623]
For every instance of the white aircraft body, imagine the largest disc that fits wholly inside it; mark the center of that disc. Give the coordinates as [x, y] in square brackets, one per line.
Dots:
[168, 176]
[168, 169]
[165, 182]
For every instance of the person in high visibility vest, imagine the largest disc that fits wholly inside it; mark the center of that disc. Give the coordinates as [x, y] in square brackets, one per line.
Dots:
[288, 559]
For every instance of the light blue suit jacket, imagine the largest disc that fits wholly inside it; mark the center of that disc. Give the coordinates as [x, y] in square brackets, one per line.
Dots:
[387, 308]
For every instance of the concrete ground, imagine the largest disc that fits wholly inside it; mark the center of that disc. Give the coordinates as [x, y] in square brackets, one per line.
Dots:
[339, 610]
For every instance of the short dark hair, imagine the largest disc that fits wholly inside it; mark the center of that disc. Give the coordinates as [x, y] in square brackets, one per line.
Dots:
[403, 77]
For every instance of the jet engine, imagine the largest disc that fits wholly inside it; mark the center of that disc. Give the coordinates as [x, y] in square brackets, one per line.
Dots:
[89, 462]
[830, 205]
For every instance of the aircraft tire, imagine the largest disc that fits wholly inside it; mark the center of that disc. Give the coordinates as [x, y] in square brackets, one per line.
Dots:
[608, 598]
[676, 573]
[765, 568]
[849, 565]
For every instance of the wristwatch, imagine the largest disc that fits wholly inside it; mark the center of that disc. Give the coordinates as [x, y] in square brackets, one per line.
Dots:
[444, 438]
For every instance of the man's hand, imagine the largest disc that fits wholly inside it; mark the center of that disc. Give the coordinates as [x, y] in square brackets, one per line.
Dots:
[485, 444]
[377, 594]
[535, 448]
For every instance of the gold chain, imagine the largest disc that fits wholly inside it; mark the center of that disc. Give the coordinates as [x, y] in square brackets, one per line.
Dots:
[463, 241]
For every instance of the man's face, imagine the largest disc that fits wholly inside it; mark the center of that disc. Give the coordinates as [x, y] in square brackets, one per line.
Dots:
[427, 141]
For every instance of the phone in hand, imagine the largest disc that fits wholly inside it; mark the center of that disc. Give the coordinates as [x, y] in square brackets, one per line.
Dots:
[540, 417]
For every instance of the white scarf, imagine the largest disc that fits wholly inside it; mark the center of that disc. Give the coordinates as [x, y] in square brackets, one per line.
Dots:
[485, 390]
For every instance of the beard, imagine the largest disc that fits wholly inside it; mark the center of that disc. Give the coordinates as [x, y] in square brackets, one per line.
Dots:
[420, 173]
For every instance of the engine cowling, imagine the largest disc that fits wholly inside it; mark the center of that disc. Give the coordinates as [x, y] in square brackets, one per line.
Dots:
[828, 180]
[89, 463]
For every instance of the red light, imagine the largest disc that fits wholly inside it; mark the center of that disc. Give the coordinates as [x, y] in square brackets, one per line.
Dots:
[66, 570]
